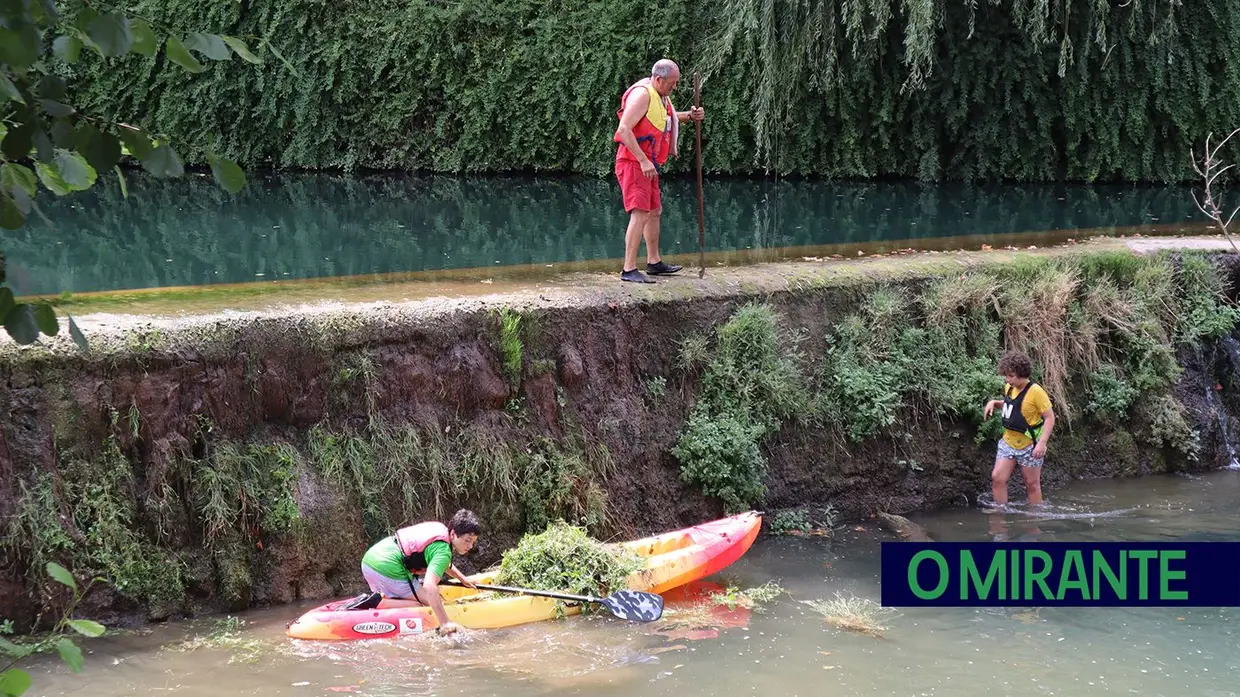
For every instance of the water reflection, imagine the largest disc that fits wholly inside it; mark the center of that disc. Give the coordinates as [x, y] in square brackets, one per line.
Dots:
[187, 232]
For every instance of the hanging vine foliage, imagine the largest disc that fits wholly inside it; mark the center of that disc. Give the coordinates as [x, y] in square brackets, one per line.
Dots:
[1027, 90]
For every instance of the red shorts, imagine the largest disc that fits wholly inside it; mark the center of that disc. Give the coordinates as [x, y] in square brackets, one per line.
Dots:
[639, 193]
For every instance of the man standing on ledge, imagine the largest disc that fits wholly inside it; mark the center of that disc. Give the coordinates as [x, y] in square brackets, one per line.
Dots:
[648, 133]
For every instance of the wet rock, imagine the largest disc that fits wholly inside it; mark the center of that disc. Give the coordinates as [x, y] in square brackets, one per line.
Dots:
[572, 372]
[903, 527]
[469, 381]
[540, 394]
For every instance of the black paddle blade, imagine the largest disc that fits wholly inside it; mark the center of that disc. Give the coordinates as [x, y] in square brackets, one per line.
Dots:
[637, 606]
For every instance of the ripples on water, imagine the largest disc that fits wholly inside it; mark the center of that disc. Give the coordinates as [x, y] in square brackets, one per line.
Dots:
[787, 649]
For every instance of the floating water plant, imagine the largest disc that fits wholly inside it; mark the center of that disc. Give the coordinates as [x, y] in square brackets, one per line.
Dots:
[853, 614]
[750, 599]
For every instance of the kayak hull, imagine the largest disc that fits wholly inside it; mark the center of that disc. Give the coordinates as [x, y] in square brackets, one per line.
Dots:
[673, 559]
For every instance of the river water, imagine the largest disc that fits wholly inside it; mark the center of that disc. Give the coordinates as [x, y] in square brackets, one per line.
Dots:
[296, 227]
[782, 647]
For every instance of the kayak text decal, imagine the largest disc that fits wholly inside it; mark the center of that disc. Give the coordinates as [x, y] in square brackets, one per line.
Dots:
[373, 627]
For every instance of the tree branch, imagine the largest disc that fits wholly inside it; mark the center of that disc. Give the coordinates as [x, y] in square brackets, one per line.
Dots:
[1209, 169]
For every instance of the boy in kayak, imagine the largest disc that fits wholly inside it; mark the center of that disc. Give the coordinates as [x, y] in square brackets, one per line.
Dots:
[1028, 419]
[409, 564]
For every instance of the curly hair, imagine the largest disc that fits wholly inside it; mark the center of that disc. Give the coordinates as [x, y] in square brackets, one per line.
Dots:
[464, 522]
[1015, 363]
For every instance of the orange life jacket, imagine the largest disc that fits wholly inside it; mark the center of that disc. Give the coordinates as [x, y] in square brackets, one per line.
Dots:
[414, 539]
[656, 131]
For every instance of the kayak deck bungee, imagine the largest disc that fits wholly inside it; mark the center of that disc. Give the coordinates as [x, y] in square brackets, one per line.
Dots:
[673, 559]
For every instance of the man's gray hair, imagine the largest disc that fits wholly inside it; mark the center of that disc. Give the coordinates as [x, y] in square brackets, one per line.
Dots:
[664, 68]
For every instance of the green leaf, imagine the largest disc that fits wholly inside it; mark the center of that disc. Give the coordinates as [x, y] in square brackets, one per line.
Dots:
[120, 176]
[136, 142]
[67, 48]
[43, 147]
[163, 161]
[67, 172]
[13, 682]
[279, 55]
[11, 215]
[9, 91]
[7, 303]
[241, 49]
[61, 575]
[78, 337]
[88, 628]
[102, 150]
[19, 47]
[18, 142]
[84, 17]
[177, 53]
[75, 170]
[227, 173]
[144, 40]
[209, 45]
[13, 650]
[19, 323]
[45, 319]
[111, 34]
[70, 653]
[46, 11]
[15, 175]
[56, 109]
[64, 135]
[52, 87]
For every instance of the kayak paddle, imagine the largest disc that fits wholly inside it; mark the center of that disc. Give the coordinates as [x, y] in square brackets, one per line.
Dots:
[638, 606]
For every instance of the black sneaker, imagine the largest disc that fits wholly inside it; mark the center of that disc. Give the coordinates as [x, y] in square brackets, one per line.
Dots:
[635, 276]
[662, 268]
[365, 601]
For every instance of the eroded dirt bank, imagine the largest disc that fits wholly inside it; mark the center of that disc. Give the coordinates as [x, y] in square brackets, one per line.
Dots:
[220, 461]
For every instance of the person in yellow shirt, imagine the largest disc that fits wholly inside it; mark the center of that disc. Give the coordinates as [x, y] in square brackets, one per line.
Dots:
[1028, 419]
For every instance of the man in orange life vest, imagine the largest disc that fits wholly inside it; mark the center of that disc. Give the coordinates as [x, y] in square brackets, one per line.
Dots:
[647, 135]
[409, 564]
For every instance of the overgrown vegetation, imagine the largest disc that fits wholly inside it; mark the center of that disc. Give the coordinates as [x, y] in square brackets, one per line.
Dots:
[750, 386]
[565, 558]
[394, 472]
[510, 345]
[149, 531]
[1085, 90]
[89, 517]
[1102, 330]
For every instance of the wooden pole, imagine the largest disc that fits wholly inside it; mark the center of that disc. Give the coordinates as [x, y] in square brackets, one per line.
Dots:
[697, 103]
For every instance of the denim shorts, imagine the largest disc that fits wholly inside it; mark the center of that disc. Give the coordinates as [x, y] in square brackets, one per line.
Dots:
[1023, 457]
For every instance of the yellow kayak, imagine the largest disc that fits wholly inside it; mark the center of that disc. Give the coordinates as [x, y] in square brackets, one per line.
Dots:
[673, 559]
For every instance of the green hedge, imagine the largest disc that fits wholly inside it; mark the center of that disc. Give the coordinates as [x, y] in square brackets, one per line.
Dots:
[1015, 90]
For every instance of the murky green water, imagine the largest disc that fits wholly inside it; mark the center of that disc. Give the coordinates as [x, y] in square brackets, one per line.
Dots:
[787, 649]
[187, 232]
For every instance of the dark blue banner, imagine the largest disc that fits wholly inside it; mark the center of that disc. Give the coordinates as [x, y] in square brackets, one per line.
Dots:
[1069, 574]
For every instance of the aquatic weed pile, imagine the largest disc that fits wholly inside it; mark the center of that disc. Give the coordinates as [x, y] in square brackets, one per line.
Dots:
[854, 614]
[750, 599]
[564, 558]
